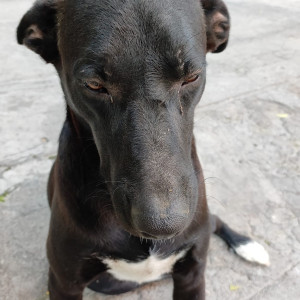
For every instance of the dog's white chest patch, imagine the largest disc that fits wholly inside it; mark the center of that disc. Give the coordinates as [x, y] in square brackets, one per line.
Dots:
[150, 269]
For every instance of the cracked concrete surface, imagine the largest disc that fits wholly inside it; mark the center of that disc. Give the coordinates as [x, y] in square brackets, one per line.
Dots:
[248, 136]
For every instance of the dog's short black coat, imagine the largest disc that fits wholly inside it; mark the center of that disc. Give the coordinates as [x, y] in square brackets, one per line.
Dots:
[127, 183]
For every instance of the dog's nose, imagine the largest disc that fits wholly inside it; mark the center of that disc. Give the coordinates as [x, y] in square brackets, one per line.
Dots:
[156, 225]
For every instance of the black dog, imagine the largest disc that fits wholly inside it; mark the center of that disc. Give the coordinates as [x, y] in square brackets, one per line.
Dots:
[126, 190]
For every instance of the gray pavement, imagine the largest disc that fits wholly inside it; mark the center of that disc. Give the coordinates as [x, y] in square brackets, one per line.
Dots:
[248, 136]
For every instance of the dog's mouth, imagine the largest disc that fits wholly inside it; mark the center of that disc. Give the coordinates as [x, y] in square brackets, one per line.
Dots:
[147, 236]
[152, 237]
[151, 233]
[127, 223]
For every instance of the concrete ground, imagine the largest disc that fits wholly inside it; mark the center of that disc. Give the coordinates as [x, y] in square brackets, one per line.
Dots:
[248, 134]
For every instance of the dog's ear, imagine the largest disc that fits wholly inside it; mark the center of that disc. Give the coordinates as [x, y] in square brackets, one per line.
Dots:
[217, 25]
[37, 30]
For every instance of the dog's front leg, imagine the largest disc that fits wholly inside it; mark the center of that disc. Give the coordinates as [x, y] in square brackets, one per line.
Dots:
[63, 290]
[72, 263]
[188, 276]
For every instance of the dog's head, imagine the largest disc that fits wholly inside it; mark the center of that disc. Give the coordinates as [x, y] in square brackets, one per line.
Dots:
[132, 72]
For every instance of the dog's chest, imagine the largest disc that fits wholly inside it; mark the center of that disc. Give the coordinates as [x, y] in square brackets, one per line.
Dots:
[147, 270]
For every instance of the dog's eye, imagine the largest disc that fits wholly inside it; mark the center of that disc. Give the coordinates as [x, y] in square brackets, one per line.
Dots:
[191, 79]
[95, 85]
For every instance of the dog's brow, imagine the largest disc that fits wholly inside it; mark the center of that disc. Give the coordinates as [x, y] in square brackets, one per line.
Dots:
[193, 69]
[89, 67]
[180, 64]
[87, 71]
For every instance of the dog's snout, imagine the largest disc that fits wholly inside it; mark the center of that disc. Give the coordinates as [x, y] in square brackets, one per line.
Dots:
[159, 221]
[159, 228]
[156, 210]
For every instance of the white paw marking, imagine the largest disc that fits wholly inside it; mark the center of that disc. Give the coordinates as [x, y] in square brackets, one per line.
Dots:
[253, 252]
[150, 269]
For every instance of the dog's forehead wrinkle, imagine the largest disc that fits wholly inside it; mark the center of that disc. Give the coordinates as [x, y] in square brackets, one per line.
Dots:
[134, 28]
